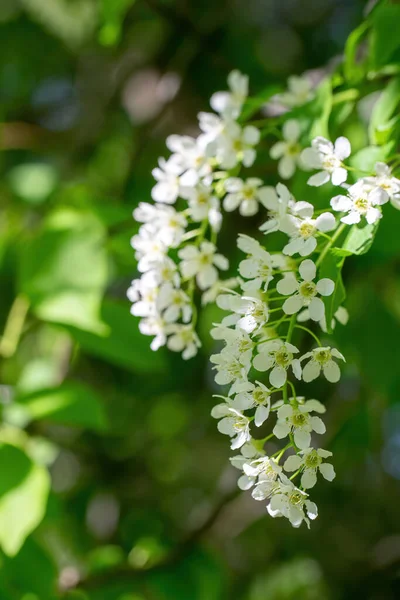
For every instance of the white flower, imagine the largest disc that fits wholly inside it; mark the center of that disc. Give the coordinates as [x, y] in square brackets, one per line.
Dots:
[327, 157]
[288, 151]
[232, 423]
[149, 248]
[201, 201]
[257, 267]
[236, 145]
[295, 419]
[311, 462]
[201, 263]
[278, 201]
[341, 315]
[167, 175]
[255, 314]
[290, 502]
[154, 326]
[213, 292]
[303, 228]
[183, 339]
[263, 472]
[245, 195]
[358, 203]
[305, 292]
[230, 103]
[238, 343]
[165, 223]
[278, 356]
[298, 93]
[172, 303]
[321, 358]
[229, 369]
[143, 294]
[255, 396]
[247, 451]
[384, 186]
[190, 153]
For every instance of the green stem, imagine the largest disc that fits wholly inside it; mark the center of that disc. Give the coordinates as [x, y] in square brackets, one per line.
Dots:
[310, 332]
[329, 245]
[14, 325]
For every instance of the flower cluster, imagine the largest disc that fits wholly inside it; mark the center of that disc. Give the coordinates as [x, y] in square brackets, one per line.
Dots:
[175, 246]
[274, 294]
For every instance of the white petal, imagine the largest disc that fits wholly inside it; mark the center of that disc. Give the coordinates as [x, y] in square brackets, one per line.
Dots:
[308, 246]
[261, 415]
[277, 377]
[225, 426]
[307, 270]
[309, 479]
[327, 471]
[302, 438]
[318, 179]
[287, 286]
[296, 366]
[292, 463]
[325, 222]
[318, 425]
[292, 305]
[286, 167]
[341, 203]
[316, 309]
[281, 430]
[373, 215]
[342, 148]
[311, 371]
[291, 130]
[325, 286]
[352, 218]
[231, 202]
[245, 482]
[263, 362]
[332, 371]
[339, 176]
[277, 150]
[251, 135]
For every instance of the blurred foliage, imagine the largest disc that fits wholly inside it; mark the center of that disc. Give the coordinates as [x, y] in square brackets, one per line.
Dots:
[115, 484]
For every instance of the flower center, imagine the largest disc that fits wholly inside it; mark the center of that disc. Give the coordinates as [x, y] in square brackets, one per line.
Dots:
[293, 149]
[264, 271]
[259, 396]
[361, 204]
[206, 259]
[312, 461]
[323, 355]
[299, 419]
[202, 199]
[330, 163]
[237, 145]
[248, 192]
[308, 289]
[296, 498]
[307, 229]
[283, 358]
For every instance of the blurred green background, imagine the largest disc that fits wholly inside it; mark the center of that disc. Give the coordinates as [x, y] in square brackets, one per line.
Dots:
[141, 502]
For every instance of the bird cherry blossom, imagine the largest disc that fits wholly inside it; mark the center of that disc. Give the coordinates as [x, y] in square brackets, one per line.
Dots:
[278, 201]
[288, 501]
[288, 151]
[359, 203]
[298, 93]
[277, 355]
[246, 195]
[232, 423]
[328, 158]
[303, 229]
[322, 359]
[255, 396]
[310, 460]
[304, 293]
[295, 418]
[230, 103]
[202, 263]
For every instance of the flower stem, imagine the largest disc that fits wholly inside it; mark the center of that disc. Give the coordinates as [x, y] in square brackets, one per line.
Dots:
[14, 325]
[326, 249]
[310, 332]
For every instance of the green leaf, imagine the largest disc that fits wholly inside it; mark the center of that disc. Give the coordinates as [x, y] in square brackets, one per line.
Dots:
[70, 403]
[24, 488]
[384, 43]
[364, 160]
[360, 239]
[353, 68]
[124, 345]
[112, 15]
[253, 104]
[383, 111]
[64, 270]
[331, 268]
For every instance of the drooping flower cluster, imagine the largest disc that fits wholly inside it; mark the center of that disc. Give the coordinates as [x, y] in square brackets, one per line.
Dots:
[274, 294]
[186, 217]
